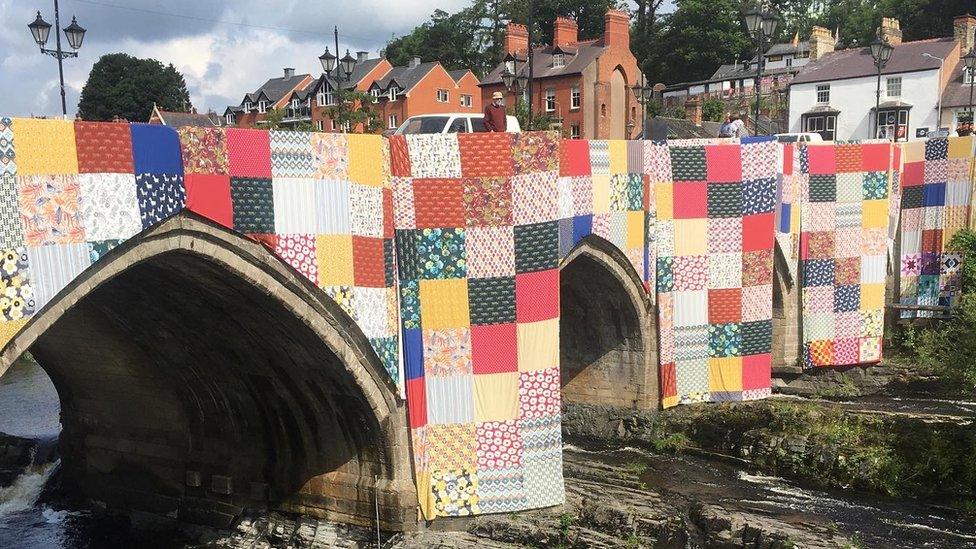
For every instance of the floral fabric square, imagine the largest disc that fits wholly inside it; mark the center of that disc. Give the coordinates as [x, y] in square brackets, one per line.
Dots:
[487, 201]
[50, 210]
[16, 292]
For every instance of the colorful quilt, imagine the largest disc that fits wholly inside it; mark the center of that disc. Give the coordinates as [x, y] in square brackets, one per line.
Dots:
[790, 184]
[844, 252]
[935, 205]
[714, 271]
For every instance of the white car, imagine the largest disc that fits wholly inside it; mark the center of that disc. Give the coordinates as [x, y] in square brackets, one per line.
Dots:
[811, 137]
[451, 123]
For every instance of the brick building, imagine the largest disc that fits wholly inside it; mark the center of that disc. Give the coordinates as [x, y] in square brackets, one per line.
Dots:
[584, 85]
[400, 92]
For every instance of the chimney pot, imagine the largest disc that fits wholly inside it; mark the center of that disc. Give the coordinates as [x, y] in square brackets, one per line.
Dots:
[362, 56]
[890, 30]
[289, 72]
[565, 31]
[821, 42]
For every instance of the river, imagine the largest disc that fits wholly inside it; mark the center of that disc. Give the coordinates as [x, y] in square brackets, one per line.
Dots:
[31, 518]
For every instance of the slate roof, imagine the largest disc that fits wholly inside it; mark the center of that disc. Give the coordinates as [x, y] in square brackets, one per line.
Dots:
[586, 53]
[458, 74]
[857, 63]
[956, 93]
[788, 48]
[276, 88]
[406, 77]
[183, 119]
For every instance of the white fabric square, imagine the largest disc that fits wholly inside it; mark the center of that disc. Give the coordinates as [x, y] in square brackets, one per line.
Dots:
[366, 204]
[370, 311]
[690, 308]
[491, 251]
[295, 205]
[109, 206]
[54, 267]
[434, 155]
[332, 207]
[873, 269]
[724, 271]
[564, 186]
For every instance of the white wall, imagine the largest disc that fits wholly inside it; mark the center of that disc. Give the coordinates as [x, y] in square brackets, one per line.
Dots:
[855, 98]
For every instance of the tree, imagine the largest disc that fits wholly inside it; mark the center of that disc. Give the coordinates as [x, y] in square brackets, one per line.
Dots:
[357, 109]
[127, 87]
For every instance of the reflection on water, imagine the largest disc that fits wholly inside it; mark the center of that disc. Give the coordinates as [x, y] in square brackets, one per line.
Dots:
[29, 405]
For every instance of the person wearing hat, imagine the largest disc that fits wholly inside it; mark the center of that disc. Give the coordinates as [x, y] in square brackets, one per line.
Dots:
[495, 120]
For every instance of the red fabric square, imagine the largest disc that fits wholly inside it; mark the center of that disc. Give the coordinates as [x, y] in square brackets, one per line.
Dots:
[494, 348]
[932, 240]
[270, 241]
[788, 158]
[669, 381]
[249, 152]
[690, 200]
[416, 402]
[913, 174]
[724, 163]
[367, 262]
[757, 232]
[574, 158]
[537, 296]
[725, 306]
[822, 159]
[486, 154]
[209, 196]
[103, 147]
[438, 203]
[756, 371]
[875, 157]
[848, 158]
[387, 213]
[399, 156]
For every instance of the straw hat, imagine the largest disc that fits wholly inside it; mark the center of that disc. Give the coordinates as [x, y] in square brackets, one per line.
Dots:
[497, 95]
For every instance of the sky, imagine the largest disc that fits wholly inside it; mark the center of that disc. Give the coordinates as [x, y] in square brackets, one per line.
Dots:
[219, 61]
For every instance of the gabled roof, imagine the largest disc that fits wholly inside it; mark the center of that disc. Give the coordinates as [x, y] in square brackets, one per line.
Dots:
[182, 119]
[957, 93]
[457, 75]
[233, 109]
[360, 72]
[788, 48]
[406, 77]
[276, 88]
[858, 63]
[586, 53]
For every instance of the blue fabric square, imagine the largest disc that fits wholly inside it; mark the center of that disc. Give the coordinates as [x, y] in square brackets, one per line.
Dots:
[785, 212]
[566, 240]
[847, 298]
[160, 196]
[156, 149]
[724, 340]
[413, 353]
[933, 194]
[582, 227]
[818, 272]
[758, 196]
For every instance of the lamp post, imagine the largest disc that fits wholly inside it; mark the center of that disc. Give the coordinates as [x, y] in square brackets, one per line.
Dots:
[762, 25]
[75, 34]
[970, 60]
[514, 82]
[644, 95]
[881, 52]
[343, 68]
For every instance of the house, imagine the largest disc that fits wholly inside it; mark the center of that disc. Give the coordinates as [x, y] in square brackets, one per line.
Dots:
[181, 119]
[959, 92]
[400, 92]
[583, 85]
[736, 81]
[836, 95]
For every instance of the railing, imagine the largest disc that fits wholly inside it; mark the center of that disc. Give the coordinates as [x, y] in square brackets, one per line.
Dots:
[301, 113]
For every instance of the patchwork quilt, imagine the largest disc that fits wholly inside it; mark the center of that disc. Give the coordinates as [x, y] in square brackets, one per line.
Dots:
[844, 252]
[936, 193]
[715, 224]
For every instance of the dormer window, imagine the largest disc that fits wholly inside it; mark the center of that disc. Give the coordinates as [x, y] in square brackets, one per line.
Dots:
[262, 106]
[229, 119]
[320, 98]
[248, 106]
[393, 93]
[294, 103]
[375, 92]
[967, 76]
[558, 60]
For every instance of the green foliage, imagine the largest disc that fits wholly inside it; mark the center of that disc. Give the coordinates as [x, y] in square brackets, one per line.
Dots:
[637, 467]
[539, 121]
[713, 110]
[670, 443]
[566, 521]
[844, 390]
[127, 87]
[356, 108]
[965, 241]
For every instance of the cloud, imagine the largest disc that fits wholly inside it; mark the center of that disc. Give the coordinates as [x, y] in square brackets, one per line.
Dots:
[219, 61]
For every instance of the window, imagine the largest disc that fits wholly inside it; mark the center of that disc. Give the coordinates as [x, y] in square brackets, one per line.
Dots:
[262, 107]
[392, 93]
[229, 119]
[967, 76]
[329, 98]
[789, 61]
[442, 96]
[574, 130]
[391, 122]
[550, 99]
[558, 60]
[824, 124]
[774, 58]
[893, 88]
[320, 125]
[575, 98]
[320, 98]
[335, 127]
[248, 106]
[823, 94]
[458, 125]
[294, 103]
[465, 100]
[893, 124]
[375, 92]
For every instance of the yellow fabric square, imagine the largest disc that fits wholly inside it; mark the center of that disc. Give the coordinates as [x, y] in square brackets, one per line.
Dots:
[10, 328]
[444, 304]
[913, 151]
[664, 198]
[872, 296]
[333, 258]
[961, 147]
[601, 194]
[453, 445]
[635, 230]
[669, 402]
[690, 236]
[496, 397]
[425, 496]
[874, 214]
[538, 345]
[44, 147]
[366, 159]
[618, 156]
[725, 374]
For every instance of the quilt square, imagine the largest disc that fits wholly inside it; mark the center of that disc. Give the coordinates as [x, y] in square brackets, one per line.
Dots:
[438, 203]
[724, 200]
[492, 300]
[253, 205]
[487, 201]
[536, 247]
[494, 348]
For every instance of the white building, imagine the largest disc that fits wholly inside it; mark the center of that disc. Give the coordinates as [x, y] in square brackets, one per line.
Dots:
[835, 96]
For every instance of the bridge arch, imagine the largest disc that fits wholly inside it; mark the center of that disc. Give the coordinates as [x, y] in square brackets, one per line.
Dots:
[608, 330]
[199, 375]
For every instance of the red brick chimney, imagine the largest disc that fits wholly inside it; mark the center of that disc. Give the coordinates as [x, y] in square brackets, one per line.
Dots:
[693, 110]
[564, 31]
[964, 31]
[616, 30]
[516, 38]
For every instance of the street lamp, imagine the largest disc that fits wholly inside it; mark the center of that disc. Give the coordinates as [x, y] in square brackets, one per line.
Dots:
[644, 94]
[881, 52]
[762, 25]
[513, 81]
[343, 68]
[970, 60]
[75, 33]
